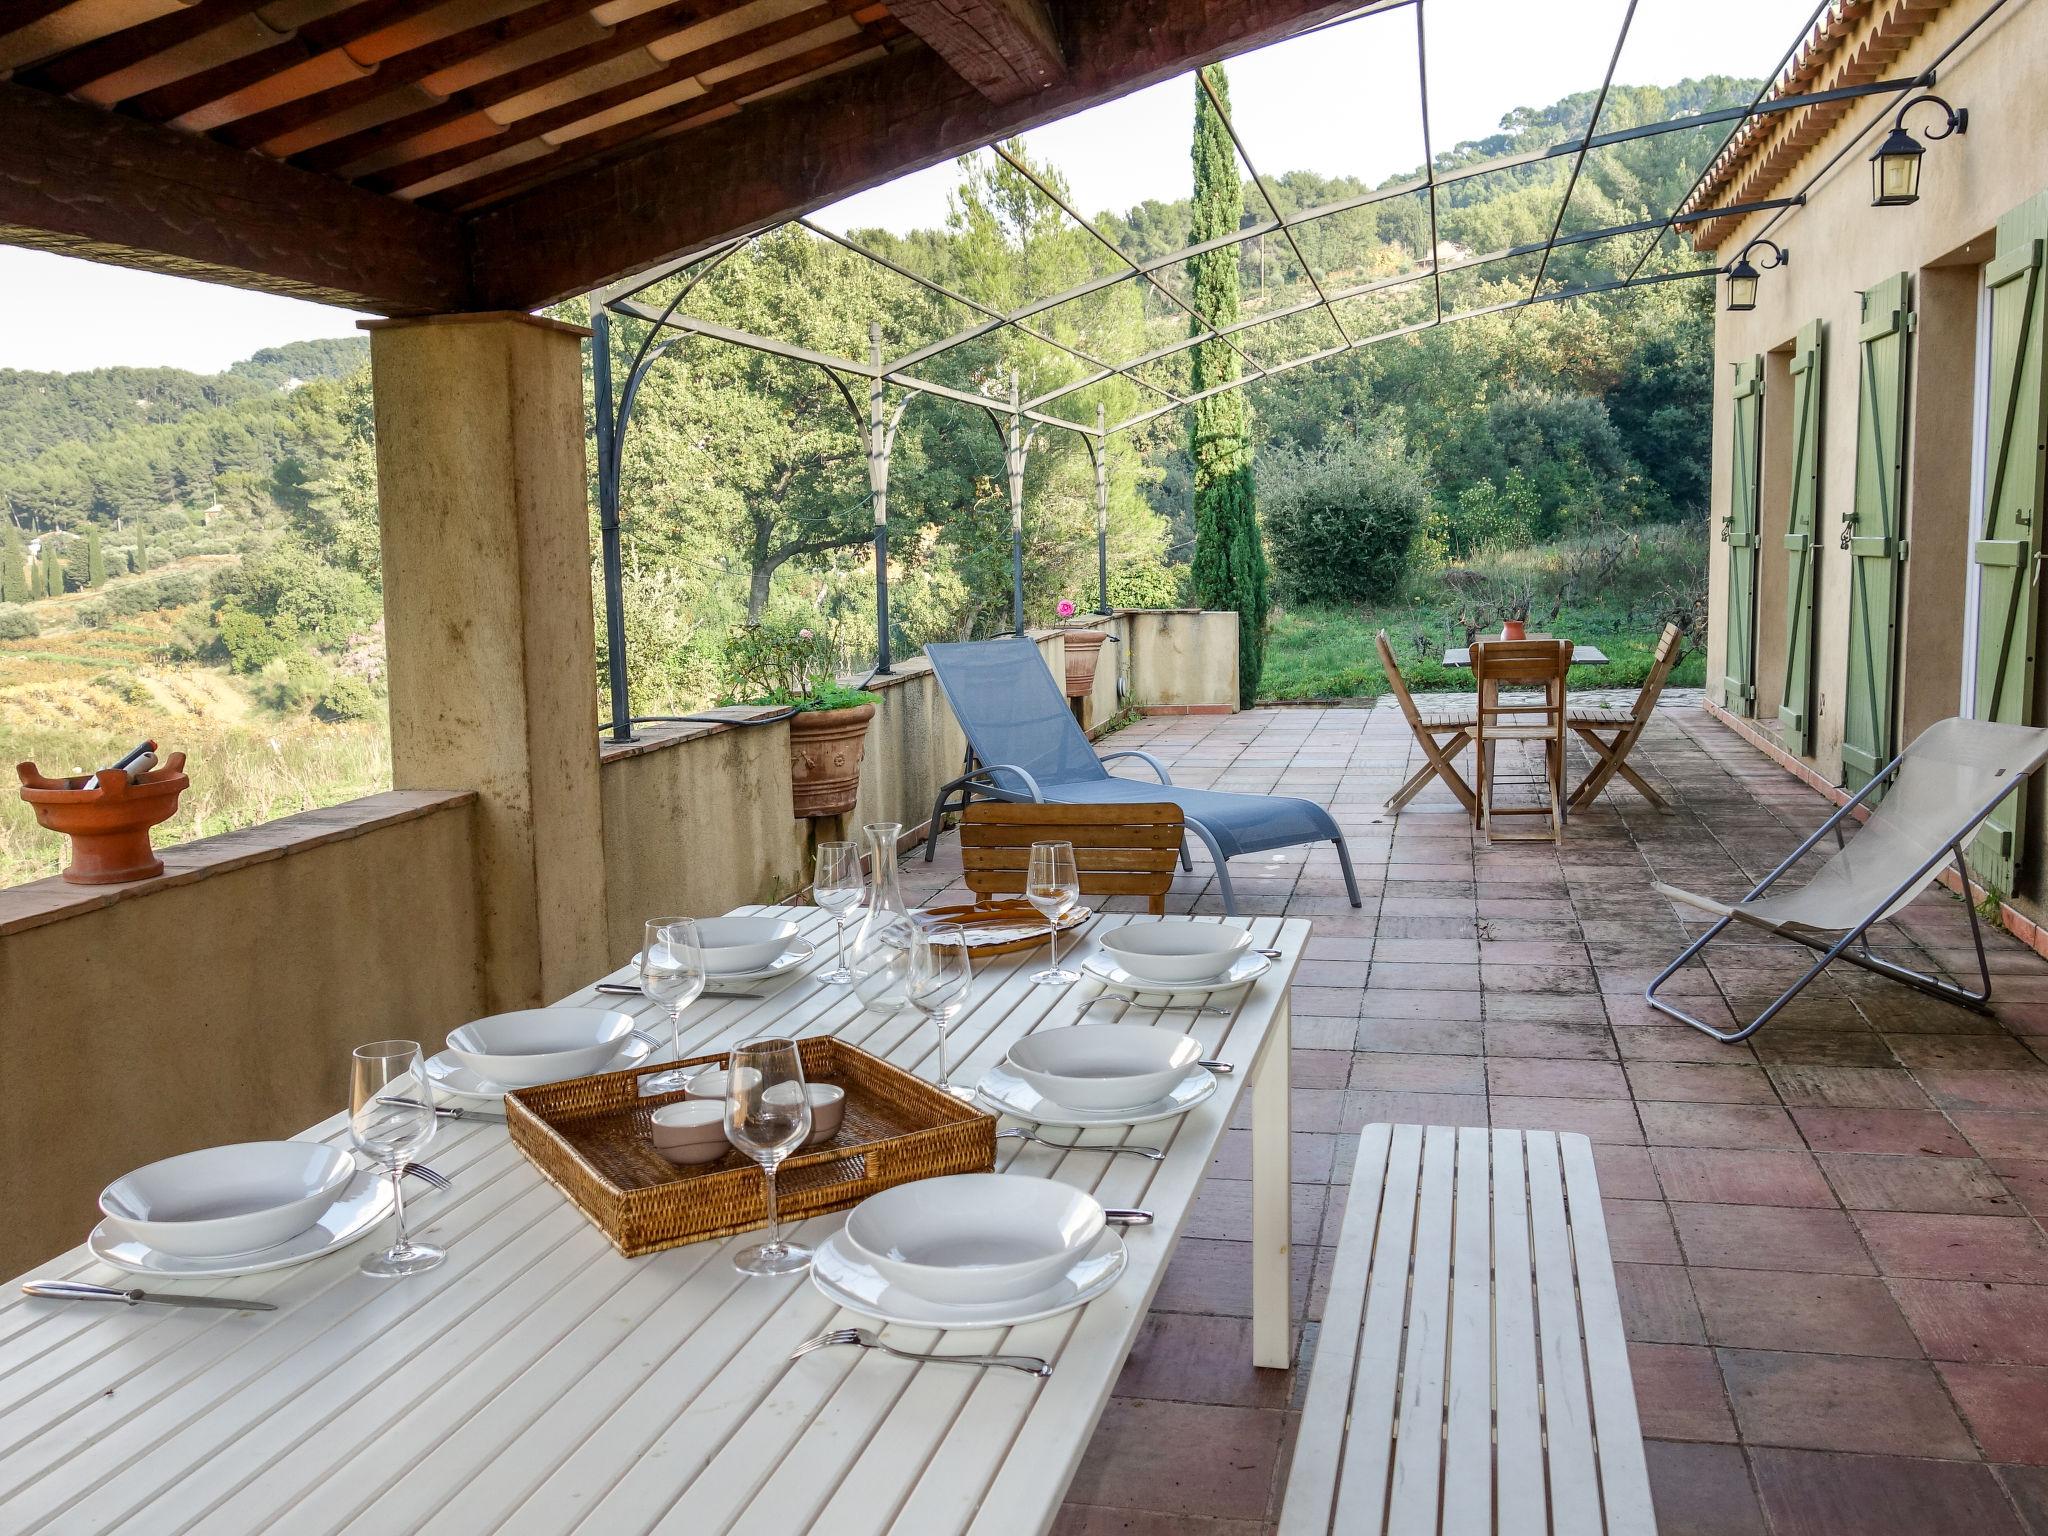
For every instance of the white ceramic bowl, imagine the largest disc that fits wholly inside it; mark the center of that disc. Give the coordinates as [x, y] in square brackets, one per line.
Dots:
[828, 1108]
[227, 1200]
[734, 944]
[711, 1082]
[974, 1236]
[540, 1045]
[1175, 951]
[689, 1131]
[1105, 1066]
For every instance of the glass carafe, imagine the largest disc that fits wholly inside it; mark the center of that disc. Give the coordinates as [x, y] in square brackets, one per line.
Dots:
[880, 955]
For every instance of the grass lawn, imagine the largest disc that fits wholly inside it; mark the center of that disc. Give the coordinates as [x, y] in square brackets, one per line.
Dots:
[1328, 653]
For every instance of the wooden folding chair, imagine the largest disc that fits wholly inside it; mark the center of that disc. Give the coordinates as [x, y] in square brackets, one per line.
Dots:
[1521, 664]
[1441, 733]
[1610, 752]
[1119, 850]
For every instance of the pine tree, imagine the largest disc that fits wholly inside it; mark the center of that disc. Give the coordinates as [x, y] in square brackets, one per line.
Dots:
[95, 560]
[13, 559]
[1230, 560]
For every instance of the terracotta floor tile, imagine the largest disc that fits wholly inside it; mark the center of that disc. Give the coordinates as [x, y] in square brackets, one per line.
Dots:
[1374, 1106]
[1924, 1132]
[1694, 1083]
[1701, 1490]
[1313, 1068]
[1954, 1089]
[1189, 1357]
[1603, 1120]
[2027, 1181]
[1223, 1209]
[1942, 1247]
[1814, 1493]
[1657, 1305]
[1834, 1087]
[1824, 1048]
[1544, 1008]
[1390, 975]
[1679, 1395]
[1779, 1309]
[1418, 1073]
[1542, 1077]
[1672, 1042]
[1730, 1176]
[1972, 1320]
[1882, 1182]
[2028, 1489]
[2006, 1407]
[1215, 1277]
[1639, 1231]
[1974, 1053]
[1843, 1403]
[1401, 1003]
[1081, 1520]
[1765, 1237]
[1717, 1125]
[1182, 1459]
[1579, 1042]
[1447, 1037]
[1312, 1154]
[2004, 1133]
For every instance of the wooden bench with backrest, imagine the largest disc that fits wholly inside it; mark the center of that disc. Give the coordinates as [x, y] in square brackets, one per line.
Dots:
[1611, 734]
[1471, 1375]
[1119, 850]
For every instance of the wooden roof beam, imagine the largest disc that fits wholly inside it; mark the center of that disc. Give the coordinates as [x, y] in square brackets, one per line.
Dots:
[1005, 49]
[789, 154]
[98, 184]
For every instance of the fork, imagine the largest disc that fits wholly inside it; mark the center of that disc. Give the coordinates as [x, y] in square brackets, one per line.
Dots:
[1020, 1133]
[1030, 1364]
[427, 1175]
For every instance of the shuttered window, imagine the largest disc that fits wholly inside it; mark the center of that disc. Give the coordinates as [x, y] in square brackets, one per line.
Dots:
[1738, 532]
[1874, 532]
[1795, 713]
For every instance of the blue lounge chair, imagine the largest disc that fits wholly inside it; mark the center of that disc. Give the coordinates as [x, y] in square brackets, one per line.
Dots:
[1023, 744]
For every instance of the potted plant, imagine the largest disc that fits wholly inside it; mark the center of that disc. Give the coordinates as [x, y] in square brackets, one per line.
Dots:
[774, 665]
[107, 815]
[1083, 648]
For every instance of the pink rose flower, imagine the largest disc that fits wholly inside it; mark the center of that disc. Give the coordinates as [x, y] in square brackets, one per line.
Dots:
[1066, 609]
[803, 634]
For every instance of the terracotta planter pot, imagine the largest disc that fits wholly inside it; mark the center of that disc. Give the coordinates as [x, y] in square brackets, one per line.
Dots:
[1084, 649]
[825, 747]
[1513, 629]
[108, 825]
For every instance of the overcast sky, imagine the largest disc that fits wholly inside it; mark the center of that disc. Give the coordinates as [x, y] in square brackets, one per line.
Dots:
[1342, 102]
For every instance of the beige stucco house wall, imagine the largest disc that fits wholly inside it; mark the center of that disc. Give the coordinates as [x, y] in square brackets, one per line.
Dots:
[1839, 246]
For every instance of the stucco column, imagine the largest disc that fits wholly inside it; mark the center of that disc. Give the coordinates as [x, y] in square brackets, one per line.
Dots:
[487, 618]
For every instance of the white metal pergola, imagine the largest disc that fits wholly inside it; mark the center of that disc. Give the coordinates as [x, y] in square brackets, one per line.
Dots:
[1330, 314]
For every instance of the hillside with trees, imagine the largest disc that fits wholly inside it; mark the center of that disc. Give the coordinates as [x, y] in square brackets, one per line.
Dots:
[203, 549]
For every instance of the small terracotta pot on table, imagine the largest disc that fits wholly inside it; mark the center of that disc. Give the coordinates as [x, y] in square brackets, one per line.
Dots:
[108, 824]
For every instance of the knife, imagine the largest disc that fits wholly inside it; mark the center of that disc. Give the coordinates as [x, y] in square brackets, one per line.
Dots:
[73, 1290]
[627, 989]
[445, 1111]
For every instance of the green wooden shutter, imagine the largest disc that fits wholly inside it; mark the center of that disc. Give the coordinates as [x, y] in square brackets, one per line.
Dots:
[1795, 714]
[1738, 532]
[2006, 554]
[1874, 533]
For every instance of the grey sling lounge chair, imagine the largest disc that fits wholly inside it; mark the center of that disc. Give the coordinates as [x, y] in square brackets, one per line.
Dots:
[1023, 744]
[1944, 784]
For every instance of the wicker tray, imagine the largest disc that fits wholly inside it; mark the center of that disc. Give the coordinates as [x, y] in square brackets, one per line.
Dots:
[589, 1137]
[1000, 927]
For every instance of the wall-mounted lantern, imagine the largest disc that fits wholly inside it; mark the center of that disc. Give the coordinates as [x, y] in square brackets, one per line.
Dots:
[1742, 274]
[1895, 168]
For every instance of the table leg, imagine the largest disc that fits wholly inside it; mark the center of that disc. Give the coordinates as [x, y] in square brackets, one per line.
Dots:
[1272, 1176]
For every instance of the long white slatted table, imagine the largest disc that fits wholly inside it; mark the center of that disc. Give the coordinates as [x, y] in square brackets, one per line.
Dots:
[1471, 1373]
[537, 1382]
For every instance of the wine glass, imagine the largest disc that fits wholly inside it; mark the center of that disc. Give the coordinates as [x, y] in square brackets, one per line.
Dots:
[767, 1116]
[1053, 887]
[391, 1117]
[940, 974]
[672, 974]
[837, 886]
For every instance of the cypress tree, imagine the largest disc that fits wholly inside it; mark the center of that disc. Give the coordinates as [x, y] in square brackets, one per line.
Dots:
[141, 560]
[53, 575]
[1230, 560]
[13, 562]
[95, 560]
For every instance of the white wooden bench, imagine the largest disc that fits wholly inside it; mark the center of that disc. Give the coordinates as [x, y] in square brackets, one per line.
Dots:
[1471, 1374]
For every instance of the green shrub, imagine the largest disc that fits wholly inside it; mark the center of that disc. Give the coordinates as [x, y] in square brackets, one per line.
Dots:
[345, 698]
[17, 623]
[1340, 519]
[252, 642]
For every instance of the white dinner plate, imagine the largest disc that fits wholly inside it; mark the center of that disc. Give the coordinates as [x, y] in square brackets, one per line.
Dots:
[798, 952]
[1249, 967]
[846, 1282]
[1008, 1094]
[451, 1077]
[364, 1203]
